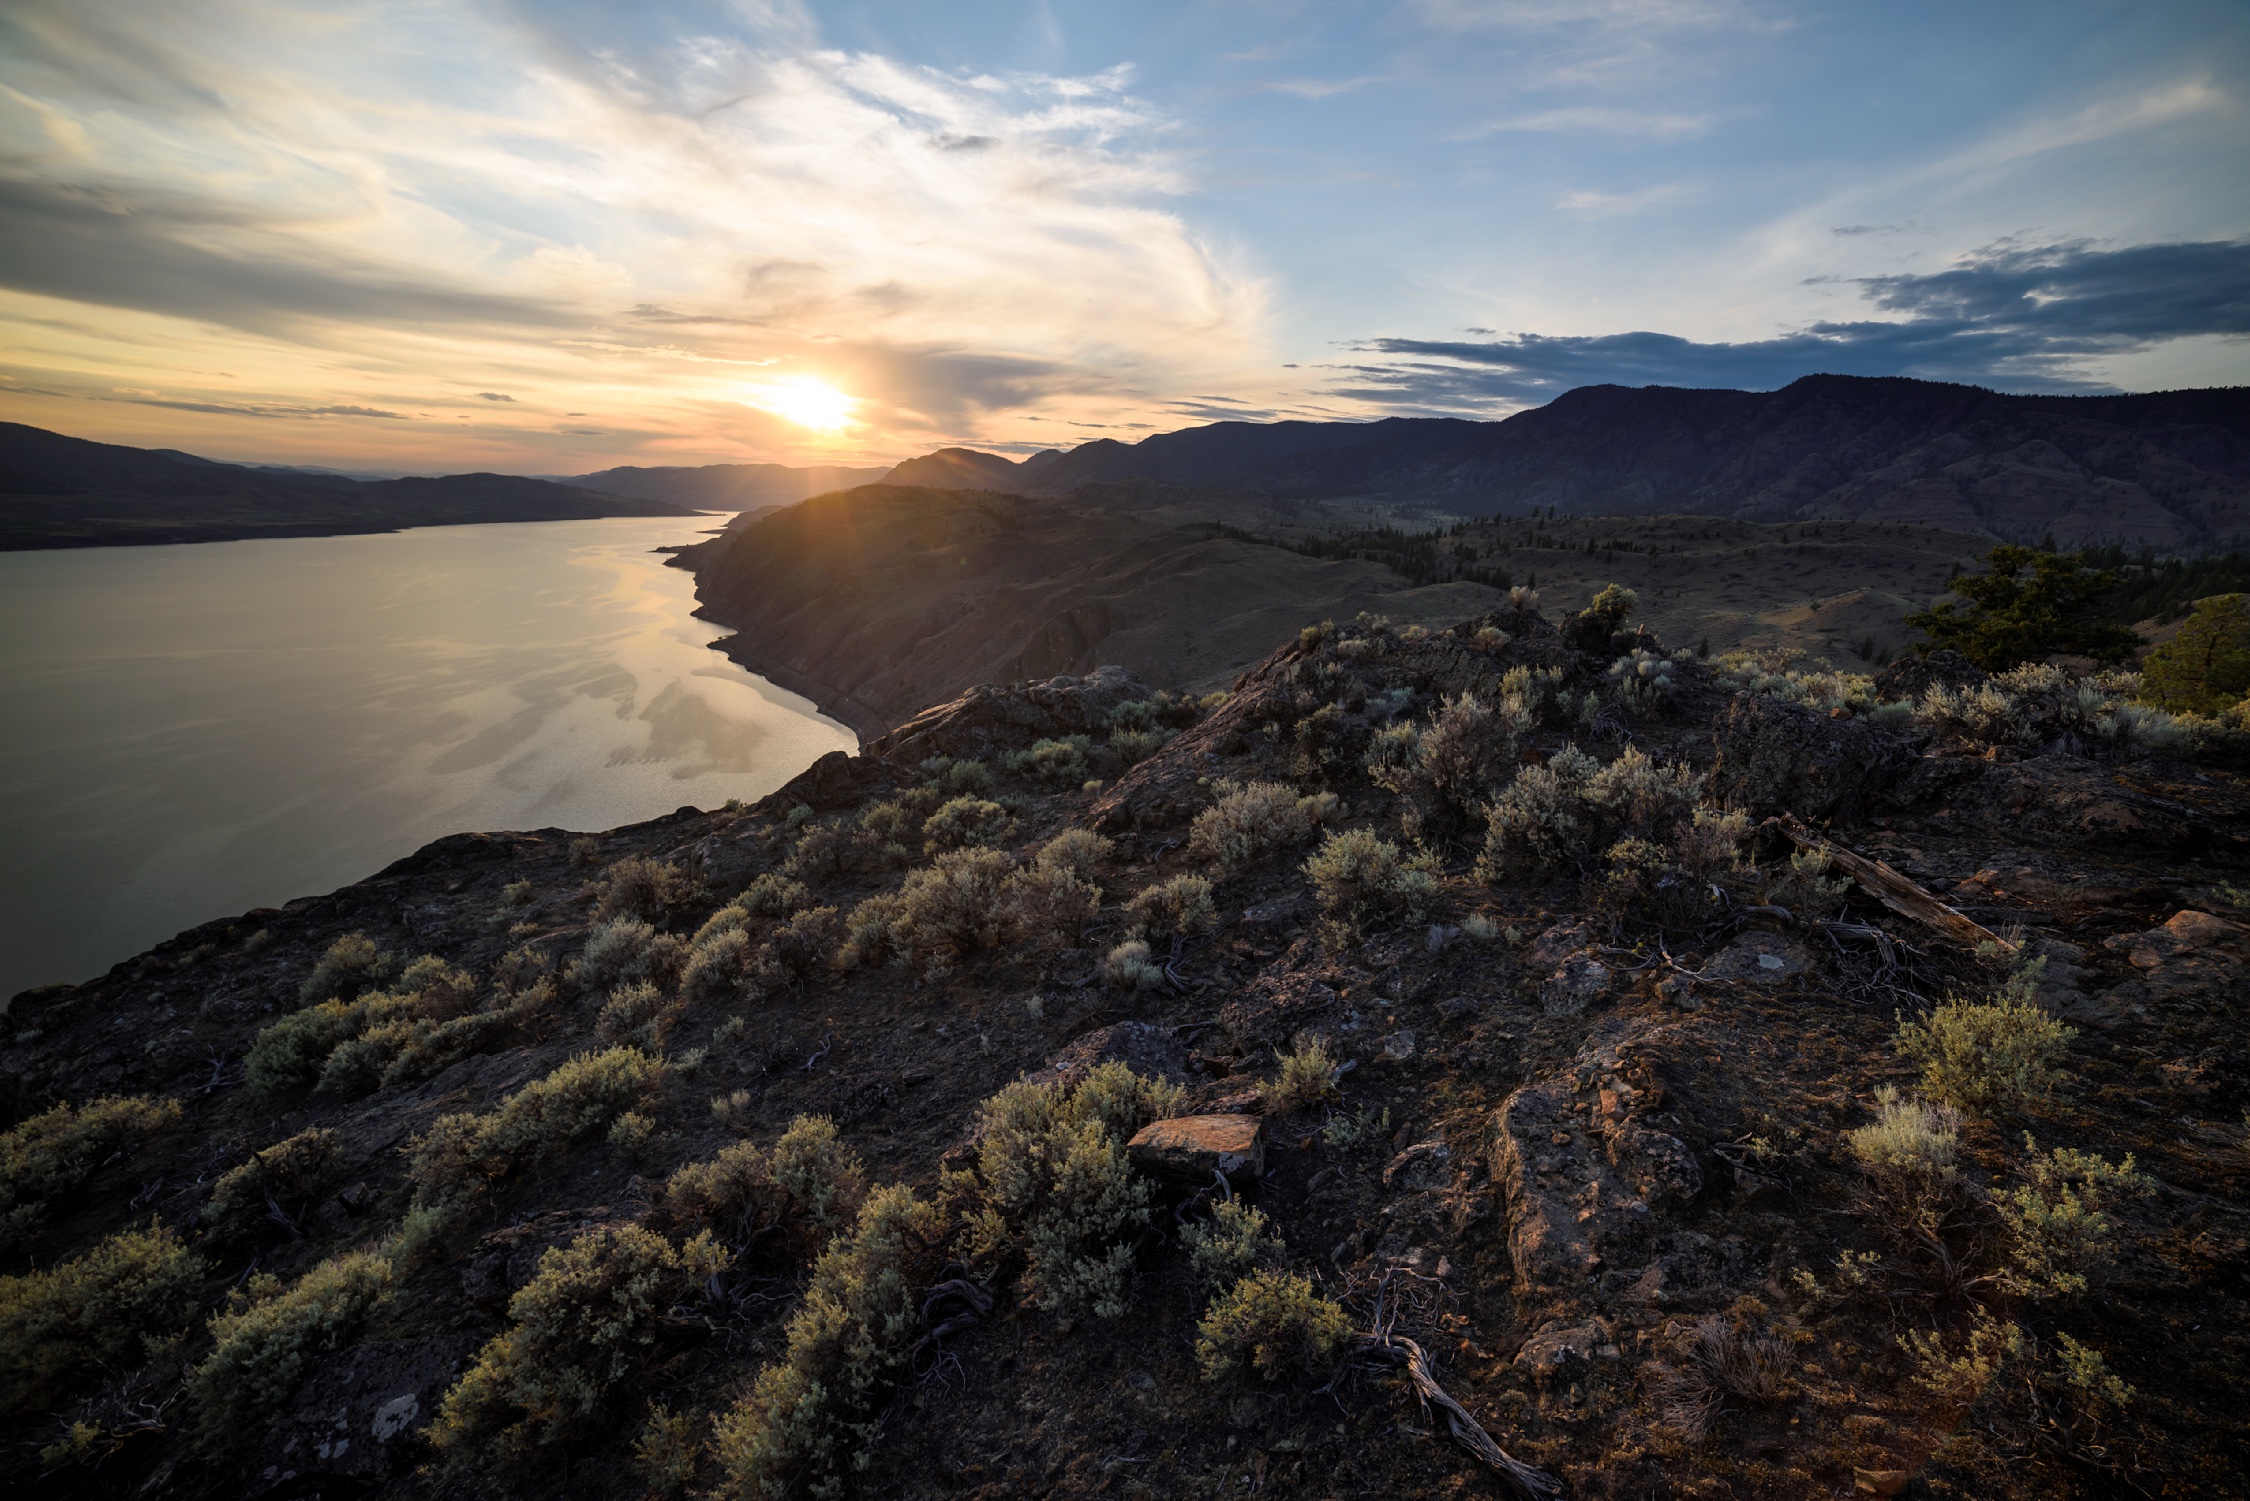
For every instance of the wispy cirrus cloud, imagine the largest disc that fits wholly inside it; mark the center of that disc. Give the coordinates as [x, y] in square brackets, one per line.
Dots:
[2025, 317]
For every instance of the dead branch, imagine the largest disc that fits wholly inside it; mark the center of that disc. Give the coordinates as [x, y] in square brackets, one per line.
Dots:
[1894, 890]
[1524, 1480]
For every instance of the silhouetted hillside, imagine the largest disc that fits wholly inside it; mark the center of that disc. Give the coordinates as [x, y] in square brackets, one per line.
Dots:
[58, 491]
[729, 487]
[2169, 470]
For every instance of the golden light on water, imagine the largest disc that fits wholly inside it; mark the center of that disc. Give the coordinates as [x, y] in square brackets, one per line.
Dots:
[807, 401]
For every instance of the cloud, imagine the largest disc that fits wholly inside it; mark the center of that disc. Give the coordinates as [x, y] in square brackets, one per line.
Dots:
[1318, 88]
[243, 409]
[2019, 317]
[493, 396]
[1594, 204]
[1602, 118]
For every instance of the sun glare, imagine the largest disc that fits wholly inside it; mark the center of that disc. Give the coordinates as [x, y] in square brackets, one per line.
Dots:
[807, 401]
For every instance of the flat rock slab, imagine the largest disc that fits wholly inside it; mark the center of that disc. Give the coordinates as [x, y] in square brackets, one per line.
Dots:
[1759, 959]
[1193, 1147]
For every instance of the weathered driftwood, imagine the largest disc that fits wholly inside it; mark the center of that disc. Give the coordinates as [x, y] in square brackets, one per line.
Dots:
[1894, 890]
[1523, 1479]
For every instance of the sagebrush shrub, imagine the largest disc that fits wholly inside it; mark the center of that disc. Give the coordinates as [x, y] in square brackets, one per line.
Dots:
[1275, 1321]
[263, 1347]
[97, 1309]
[585, 1322]
[1060, 763]
[2060, 1221]
[460, 1154]
[1135, 746]
[625, 949]
[963, 822]
[637, 1013]
[717, 964]
[1130, 966]
[1052, 1184]
[52, 1153]
[1181, 905]
[1359, 876]
[809, 1414]
[952, 906]
[809, 1187]
[1447, 768]
[874, 933]
[638, 886]
[1230, 1246]
[1076, 852]
[1048, 907]
[1563, 814]
[1307, 1076]
[350, 965]
[1989, 1057]
[277, 1185]
[2040, 707]
[774, 895]
[1250, 823]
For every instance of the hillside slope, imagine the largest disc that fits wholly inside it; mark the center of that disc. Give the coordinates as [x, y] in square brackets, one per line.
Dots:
[728, 487]
[2169, 470]
[58, 491]
[628, 1188]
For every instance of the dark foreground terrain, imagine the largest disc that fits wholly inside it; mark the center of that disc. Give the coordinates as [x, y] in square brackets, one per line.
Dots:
[1581, 1109]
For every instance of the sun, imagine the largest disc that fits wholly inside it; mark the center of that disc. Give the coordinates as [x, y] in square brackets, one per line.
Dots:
[807, 401]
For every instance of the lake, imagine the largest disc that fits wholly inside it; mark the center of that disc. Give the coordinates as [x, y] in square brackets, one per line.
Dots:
[198, 730]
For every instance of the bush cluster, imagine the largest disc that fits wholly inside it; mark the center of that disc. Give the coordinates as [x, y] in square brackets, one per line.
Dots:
[1233, 1243]
[2040, 707]
[346, 1047]
[1052, 1185]
[2061, 1221]
[966, 822]
[625, 949]
[263, 1346]
[52, 1153]
[1180, 906]
[1276, 1322]
[1565, 813]
[808, 1188]
[1252, 822]
[1445, 770]
[1360, 877]
[98, 1309]
[277, 1185]
[585, 1322]
[1059, 763]
[1989, 1057]
[650, 890]
[1307, 1076]
[809, 1416]
[350, 965]
[460, 1154]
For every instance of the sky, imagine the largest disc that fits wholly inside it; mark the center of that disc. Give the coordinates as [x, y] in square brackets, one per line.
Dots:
[554, 237]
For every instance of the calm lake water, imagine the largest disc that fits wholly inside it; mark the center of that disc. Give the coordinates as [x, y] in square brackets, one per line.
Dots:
[194, 731]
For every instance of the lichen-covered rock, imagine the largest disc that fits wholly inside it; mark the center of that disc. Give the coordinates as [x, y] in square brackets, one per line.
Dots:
[1559, 1351]
[1577, 983]
[1150, 1051]
[2192, 956]
[355, 1418]
[1910, 677]
[989, 719]
[2055, 799]
[1193, 1147]
[1777, 757]
[1758, 959]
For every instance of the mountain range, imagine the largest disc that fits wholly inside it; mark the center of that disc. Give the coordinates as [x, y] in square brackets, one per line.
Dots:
[58, 491]
[2167, 470]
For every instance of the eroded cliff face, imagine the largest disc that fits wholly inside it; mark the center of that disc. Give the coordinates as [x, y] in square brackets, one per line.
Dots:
[1583, 1131]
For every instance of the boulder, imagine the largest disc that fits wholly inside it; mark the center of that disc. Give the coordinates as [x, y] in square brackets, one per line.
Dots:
[1193, 1147]
[1907, 679]
[1148, 1050]
[1559, 1351]
[1579, 981]
[1778, 757]
[1758, 959]
[2193, 955]
[989, 719]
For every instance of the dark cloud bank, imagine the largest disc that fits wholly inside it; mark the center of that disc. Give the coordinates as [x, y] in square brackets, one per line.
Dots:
[2017, 318]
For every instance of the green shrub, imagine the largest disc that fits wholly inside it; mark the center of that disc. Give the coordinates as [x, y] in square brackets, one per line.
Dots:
[952, 907]
[2205, 669]
[811, 1186]
[827, 849]
[960, 778]
[669, 1446]
[587, 1320]
[1060, 763]
[625, 949]
[638, 1013]
[1991, 1057]
[2061, 1231]
[1359, 876]
[278, 1184]
[1130, 966]
[797, 950]
[2040, 707]
[1181, 905]
[98, 1309]
[774, 895]
[716, 964]
[810, 1416]
[638, 886]
[1076, 852]
[1052, 1185]
[1231, 1246]
[1135, 746]
[963, 822]
[352, 964]
[52, 1153]
[1445, 770]
[875, 934]
[1250, 823]
[301, 1049]
[1561, 815]
[1273, 1320]
[460, 1154]
[1048, 907]
[1308, 1076]
[263, 1346]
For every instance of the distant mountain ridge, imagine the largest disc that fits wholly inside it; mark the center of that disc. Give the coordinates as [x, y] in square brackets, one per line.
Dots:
[730, 487]
[59, 491]
[2168, 470]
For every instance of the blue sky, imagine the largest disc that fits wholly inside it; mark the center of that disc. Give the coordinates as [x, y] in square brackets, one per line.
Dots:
[551, 237]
